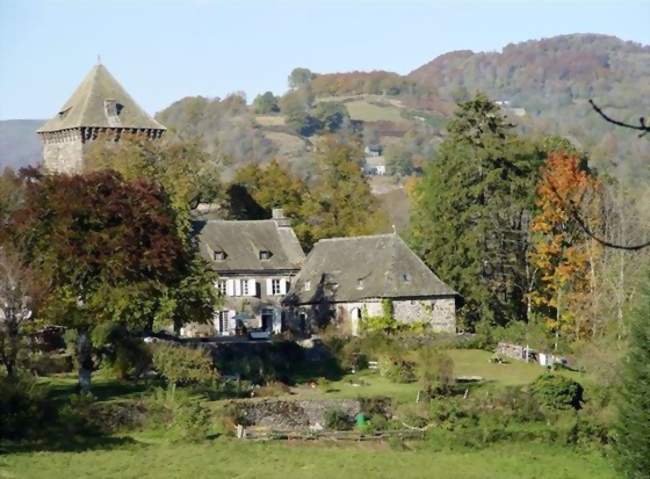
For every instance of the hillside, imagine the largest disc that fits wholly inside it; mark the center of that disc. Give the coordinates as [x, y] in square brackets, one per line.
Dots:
[19, 143]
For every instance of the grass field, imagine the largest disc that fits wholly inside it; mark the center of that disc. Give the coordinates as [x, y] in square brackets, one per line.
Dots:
[365, 111]
[270, 120]
[229, 458]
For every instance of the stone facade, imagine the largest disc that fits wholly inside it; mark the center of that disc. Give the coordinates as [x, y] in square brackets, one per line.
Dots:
[438, 313]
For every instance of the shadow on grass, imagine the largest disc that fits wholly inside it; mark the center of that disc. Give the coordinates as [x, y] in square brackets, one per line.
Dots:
[102, 388]
[56, 441]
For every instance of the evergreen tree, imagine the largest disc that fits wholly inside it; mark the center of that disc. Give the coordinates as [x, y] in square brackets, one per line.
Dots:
[472, 209]
[633, 429]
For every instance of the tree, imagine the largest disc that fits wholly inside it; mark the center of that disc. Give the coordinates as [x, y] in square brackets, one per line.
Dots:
[186, 172]
[273, 186]
[265, 103]
[632, 443]
[339, 202]
[331, 115]
[300, 77]
[472, 209]
[561, 251]
[19, 294]
[109, 251]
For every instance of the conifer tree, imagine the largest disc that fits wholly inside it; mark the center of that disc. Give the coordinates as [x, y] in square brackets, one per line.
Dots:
[633, 428]
[472, 212]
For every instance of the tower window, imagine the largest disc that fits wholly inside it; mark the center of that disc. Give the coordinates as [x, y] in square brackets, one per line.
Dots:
[112, 107]
[219, 255]
[265, 255]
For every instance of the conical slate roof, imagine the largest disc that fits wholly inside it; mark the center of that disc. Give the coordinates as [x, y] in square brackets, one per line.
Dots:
[356, 268]
[87, 107]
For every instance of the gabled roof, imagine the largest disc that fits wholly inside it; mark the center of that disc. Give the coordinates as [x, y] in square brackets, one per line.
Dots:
[86, 106]
[356, 268]
[242, 241]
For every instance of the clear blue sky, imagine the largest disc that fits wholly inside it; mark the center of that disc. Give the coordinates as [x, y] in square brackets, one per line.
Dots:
[163, 50]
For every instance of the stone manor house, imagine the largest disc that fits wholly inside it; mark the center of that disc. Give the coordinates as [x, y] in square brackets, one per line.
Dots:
[267, 283]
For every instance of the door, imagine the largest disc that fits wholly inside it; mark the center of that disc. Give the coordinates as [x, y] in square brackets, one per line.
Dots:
[355, 319]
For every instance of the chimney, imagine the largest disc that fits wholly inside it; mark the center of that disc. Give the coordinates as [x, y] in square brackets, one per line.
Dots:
[280, 219]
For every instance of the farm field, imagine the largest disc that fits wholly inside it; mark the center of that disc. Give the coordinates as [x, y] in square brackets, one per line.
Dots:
[230, 458]
[365, 111]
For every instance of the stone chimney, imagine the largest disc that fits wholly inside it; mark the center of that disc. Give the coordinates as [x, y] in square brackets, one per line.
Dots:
[280, 219]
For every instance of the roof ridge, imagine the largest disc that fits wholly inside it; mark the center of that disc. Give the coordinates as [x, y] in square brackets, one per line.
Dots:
[343, 238]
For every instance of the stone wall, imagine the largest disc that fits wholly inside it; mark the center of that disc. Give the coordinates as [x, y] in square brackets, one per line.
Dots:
[63, 153]
[439, 313]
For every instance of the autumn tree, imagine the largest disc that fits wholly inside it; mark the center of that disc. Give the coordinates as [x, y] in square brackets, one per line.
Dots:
[109, 251]
[472, 210]
[265, 103]
[563, 254]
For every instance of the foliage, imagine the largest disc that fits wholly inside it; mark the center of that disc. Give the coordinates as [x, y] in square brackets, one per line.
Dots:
[181, 365]
[557, 392]
[469, 222]
[633, 423]
[339, 202]
[384, 323]
[397, 369]
[266, 103]
[225, 128]
[562, 252]
[435, 371]
[23, 407]
[186, 172]
[338, 420]
[332, 116]
[191, 421]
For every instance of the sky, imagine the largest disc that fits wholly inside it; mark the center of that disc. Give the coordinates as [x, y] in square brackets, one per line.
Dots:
[164, 50]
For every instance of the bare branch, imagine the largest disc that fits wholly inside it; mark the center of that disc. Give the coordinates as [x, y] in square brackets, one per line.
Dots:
[641, 126]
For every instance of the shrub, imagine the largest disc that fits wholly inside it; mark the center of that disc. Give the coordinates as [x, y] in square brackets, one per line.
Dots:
[23, 407]
[338, 420]
[191, 421]
[273, 388]
[397, 370]
[557, 392]
[384, 323]
[181, 366]
[436, 372]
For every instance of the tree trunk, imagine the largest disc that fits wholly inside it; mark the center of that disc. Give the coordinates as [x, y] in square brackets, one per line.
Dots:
[84, 357]
[558, 316]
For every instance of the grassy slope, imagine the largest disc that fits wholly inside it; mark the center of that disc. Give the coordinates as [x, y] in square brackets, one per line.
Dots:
[231, 458]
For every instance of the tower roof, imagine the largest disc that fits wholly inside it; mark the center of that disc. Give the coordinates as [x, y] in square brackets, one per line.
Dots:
[100, 101]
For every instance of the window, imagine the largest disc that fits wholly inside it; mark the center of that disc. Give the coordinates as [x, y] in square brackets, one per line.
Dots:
[244, 287]
[360, 283]
[219, 255]
[221, 287]
[275, 287]
[406, 277]
[222, 325]
[265, 255]
[307, 285]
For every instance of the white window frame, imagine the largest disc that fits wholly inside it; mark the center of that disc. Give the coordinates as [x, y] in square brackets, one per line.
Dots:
[222, 288]
[224, 321]
[276, 287]
[307, 285]
[243, 287]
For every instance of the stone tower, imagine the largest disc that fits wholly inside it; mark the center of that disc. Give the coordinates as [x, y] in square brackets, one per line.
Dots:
[98, 109]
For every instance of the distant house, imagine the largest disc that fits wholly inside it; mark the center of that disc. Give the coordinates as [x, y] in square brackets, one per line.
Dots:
[347, 279]
[375, 164]
[256, 262]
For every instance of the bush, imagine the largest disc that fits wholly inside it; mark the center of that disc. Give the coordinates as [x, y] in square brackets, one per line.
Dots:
[436, 372]
[557, 392]
[338, 420]
[181, 366]
[191, 421]
[272, 389]
[397, 370]
[23, 407]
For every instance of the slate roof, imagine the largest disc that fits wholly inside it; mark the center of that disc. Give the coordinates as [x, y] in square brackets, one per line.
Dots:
[85, 108]
[361, 267]
[242, 241]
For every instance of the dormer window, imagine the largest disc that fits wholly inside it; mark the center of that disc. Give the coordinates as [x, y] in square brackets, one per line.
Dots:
[265, 255]
[406, 277]
[62, 113]
[112, 107]
[307, 285]
[360, 283]
[219, 255]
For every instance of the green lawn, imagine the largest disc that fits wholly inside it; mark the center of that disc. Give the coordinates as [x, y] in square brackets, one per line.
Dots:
[365, 111]
[229, 458]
